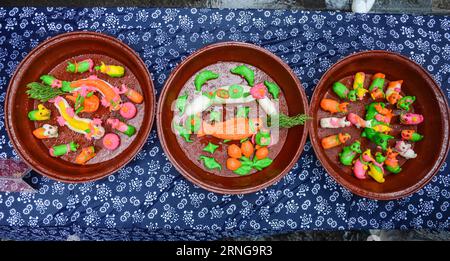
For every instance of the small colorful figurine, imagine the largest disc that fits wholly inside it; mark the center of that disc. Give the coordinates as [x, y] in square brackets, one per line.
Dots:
[236, 91]
[245, 72]
[233, 164]
[210, 163]
[63, 149]
[384, 115]
[378, 138]
[47, 131]
[80, 67]
[335, 140]
[183, 132]
[211, 147]
[393, 91]
[111, 141]
[391, 161]
[343, 92]
[411, 135]
[381, 128]
[348, 153]
[360, 93]
[381, 108]
[126, 129]
[382, 139]
[128, 110]
[372, 111]
[85, 155]
[258, 91]
[379, 157]
[411, 118]
[55, 83]
[334, 122]
[131, 94]
[351, 95]
[114, 71]
[358, 81]
[361, 164]
[41, 114]
[383, 118]
[405, 102]
[358, 85]
[202, 77]
[272, 88]
[340, 89]
[405, 150]
[376, 171]
[263, 138]
[333, 106]
[376, 87]
[357, 121]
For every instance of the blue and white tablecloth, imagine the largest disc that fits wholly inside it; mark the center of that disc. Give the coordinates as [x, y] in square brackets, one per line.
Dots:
[149, 199]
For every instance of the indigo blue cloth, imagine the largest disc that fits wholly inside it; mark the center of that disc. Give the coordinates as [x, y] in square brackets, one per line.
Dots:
[148, 198]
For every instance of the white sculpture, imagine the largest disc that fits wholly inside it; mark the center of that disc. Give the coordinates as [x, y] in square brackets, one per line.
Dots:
[334, 122]
[362, 6]
[405, 150]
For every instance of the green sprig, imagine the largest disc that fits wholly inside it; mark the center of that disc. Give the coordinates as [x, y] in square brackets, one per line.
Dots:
[289, 122]
[42, 92]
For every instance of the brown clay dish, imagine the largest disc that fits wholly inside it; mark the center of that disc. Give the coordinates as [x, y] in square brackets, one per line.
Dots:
[430, 102]
[52, 56]
[221, 57]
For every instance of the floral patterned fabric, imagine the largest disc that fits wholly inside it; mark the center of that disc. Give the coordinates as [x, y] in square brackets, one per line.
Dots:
[148, 198]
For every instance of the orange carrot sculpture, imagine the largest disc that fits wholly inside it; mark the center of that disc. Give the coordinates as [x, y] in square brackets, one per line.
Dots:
[133, 95]
[47, 131]
[85, 155]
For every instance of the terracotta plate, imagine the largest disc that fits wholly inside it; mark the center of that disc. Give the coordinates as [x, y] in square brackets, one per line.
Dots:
[430, 101]
[40, 61]
[271, 65]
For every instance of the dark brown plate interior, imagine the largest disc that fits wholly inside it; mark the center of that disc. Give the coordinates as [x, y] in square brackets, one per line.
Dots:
[277, 70]
[40, 61]
[430, 102]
